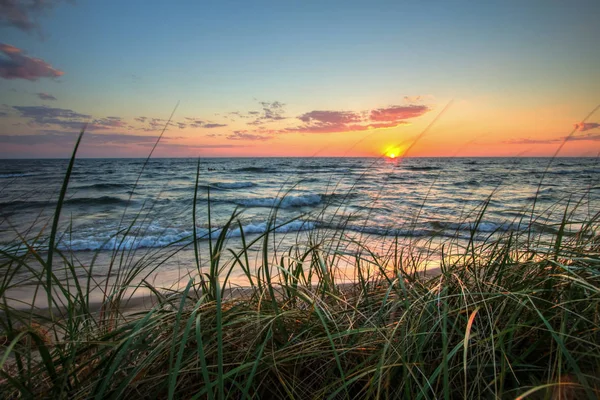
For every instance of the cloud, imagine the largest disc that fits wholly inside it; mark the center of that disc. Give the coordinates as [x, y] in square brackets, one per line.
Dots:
[14, 64]
[44, 116]
[270, 112]
[195, 146]
[21, 14]
[45, 96]
[593, 137]
[141, 119]
[334, 128]
[532, 141]
[61, 138]
[106, 123]
[327, 121]
[210, 126]
[198, 123]
[398, 113]
[245, 135]
[67, 119]
[586, 126]
[350, 121]
[330, 117]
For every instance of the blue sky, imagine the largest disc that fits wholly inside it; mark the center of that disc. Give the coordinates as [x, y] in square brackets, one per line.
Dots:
[499, 61]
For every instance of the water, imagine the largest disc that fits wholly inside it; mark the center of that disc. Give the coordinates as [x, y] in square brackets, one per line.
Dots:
[410, 197]
[125, 204]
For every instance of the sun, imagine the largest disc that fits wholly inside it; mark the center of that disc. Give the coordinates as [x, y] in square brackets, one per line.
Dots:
[393, 152]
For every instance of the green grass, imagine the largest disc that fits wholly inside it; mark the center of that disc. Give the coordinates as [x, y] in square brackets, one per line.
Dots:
[516, 314]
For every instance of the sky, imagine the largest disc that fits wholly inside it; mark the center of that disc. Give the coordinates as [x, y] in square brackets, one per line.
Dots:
[311, 78]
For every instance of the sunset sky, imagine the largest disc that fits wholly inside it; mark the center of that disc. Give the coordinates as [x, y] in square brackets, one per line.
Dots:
[310, 78]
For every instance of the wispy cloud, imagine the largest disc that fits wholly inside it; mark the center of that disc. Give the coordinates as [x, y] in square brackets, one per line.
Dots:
[532, 141]
[593, 137]
[213, 125]
[246, 135]
[196, 146]
[108, 122]
[45, 96]
[51, 117]
[586, 126]
[270, 112]
[22, 14]
[61, 138]
[14, 64]
[198, 123]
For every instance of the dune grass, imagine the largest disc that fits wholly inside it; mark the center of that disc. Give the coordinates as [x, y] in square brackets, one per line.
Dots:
[513, 315]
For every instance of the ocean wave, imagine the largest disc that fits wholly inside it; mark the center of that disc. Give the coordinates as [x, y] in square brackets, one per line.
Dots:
[484, 226]
[96, 201]
[103, 186]
[156, 237]
[421, 168]
[471, 182]
[255, 169]
[379, 230]
[290, 201]
[16, 175]
[233, 185]
[78, 201]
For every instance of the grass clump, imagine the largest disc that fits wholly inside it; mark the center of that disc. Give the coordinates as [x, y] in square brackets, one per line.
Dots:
[515, 314]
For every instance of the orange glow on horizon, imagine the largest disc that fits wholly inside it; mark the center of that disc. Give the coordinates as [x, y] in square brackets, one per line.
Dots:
[393, 152]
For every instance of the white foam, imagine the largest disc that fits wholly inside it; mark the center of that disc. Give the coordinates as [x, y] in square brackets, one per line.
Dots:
[156, 237]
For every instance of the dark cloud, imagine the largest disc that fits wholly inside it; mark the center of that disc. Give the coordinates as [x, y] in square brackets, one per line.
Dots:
[398, 113]
[14, 64]
[141, 119]
[45, 96]
[3, 114]
[586, 126]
